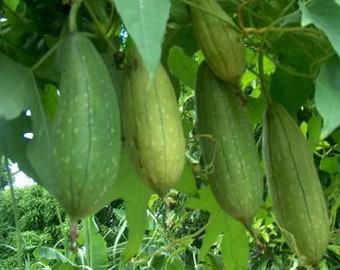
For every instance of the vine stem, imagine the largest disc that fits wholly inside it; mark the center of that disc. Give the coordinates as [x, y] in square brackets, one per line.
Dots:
[96, 22]
[45, 56]
[16, 215]
[73, 15]
[265, 90]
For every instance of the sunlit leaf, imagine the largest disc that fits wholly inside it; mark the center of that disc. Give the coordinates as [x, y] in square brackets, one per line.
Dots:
[136, 196]
[145, 21]
[327, 96]
[324, 15]
[183, 66]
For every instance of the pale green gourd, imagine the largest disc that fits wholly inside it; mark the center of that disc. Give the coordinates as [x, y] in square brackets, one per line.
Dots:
[152, 126]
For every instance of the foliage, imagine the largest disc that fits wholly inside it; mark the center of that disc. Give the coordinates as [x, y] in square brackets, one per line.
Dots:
[3, 174]
[39, 219]
[292, 50]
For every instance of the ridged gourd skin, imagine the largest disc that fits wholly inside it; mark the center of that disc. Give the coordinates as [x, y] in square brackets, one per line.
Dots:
[87, 131]
[152, 126]
[221, 44]
[298, 202]
[236, 178]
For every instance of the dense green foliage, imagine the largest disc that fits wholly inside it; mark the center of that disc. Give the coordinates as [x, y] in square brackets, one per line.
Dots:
[41, 221]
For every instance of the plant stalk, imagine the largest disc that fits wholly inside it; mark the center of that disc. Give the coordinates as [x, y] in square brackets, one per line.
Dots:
[16, 216]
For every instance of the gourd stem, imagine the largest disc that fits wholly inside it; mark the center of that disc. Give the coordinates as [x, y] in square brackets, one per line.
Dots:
[16, 215]
[97, 24]
[73, 15]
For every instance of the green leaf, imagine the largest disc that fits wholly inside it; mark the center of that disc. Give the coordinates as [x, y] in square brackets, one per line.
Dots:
[327, 96]
[215, 262]
[146, 23]
[255, 109]
[16, 84]
[95, 245]
[234, 244]
[19, 92]
[135, 194]
[187, 182]
[330, 164]
[50, 254]
[235, 249]
[14, 145]
[290, 90]
[12, 4]
[183, 66]
[183, 37]
[314, 131]
[324, 15]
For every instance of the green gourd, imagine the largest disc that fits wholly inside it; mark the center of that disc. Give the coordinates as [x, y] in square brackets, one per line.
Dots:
[235, 176]
[220, 42]
[86, 134]
[298, 202]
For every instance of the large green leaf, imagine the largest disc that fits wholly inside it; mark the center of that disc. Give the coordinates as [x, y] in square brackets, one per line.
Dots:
[16, 84]
[235, 249]
[327, 96]
[13, 143]
[324, 15]
[95, 245]
[136, 196]
[18, 93]
[183, 66]
[290, 90]
[234, 245]
[146, 21]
